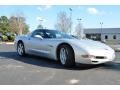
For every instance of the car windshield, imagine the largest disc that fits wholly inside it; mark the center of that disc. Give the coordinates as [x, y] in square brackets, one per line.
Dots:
[57, 34]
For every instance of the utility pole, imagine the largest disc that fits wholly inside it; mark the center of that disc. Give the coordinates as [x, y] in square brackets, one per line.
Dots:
[70, 20]
[81, 27]
[41, 21]
[101, 24]
[40, 25]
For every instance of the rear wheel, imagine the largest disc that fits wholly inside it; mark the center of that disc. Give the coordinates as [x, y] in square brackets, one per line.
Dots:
[21, 49]
[66, 56]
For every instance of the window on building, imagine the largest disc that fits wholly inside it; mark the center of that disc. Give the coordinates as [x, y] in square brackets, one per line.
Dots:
[114, 37]
[106, 37]
[95, 36]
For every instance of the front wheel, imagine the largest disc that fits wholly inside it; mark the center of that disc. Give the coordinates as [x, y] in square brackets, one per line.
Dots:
[21, 49]
[66, 56]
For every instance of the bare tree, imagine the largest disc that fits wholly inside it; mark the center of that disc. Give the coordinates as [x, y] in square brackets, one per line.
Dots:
[17, 24]
[40, 26]
[63, 22]
[13, 24]
[21, 24]
[79, 31]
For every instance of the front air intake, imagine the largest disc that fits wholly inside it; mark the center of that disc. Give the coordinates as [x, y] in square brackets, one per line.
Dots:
[100, 57]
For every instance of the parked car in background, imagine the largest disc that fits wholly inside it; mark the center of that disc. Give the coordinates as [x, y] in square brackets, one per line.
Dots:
[59, 46]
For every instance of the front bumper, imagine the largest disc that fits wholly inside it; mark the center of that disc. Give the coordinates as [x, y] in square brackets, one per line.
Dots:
[110, 56]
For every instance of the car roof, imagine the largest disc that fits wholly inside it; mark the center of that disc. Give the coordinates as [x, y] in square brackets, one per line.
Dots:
[41, 29]
[45, 29]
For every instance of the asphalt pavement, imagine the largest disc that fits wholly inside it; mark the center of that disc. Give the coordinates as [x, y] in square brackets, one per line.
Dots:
[32, 70]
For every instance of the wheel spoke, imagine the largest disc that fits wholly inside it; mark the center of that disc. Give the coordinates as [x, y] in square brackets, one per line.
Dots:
[20, 49]
[63, 55]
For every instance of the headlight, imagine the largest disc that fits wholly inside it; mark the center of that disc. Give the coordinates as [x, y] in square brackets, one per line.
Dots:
[88, 56]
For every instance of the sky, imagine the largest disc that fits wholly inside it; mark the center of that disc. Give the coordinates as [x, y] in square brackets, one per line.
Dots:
[91, 15]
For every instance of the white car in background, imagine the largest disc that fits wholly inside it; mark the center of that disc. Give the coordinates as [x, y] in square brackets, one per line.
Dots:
[57, 45]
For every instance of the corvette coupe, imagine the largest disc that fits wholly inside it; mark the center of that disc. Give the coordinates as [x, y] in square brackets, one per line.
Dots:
[60, 46]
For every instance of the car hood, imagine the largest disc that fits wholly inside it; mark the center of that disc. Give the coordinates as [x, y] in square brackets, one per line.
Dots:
[90, 44]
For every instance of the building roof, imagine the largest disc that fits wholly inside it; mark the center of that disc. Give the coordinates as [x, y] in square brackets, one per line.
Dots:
[103, 30]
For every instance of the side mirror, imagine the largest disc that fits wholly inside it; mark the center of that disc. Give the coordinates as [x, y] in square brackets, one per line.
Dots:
[38, 36]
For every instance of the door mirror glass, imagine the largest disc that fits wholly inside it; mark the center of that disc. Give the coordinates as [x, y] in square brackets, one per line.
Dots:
[38, 36]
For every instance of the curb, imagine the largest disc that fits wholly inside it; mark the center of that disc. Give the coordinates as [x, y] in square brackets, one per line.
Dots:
[8, 43]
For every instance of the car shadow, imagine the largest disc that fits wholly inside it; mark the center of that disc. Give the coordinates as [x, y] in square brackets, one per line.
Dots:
[44, 62]
[111, 66]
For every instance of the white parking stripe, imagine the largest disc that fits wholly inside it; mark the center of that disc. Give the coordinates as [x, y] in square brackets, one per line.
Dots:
[73, 81]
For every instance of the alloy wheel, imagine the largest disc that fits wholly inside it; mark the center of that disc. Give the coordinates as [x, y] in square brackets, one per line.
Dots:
[20, 49]
[63, 55]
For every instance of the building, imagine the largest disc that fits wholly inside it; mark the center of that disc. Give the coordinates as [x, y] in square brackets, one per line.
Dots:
[102, 34]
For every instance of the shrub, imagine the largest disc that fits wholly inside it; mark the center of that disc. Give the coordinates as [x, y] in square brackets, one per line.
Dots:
[11, 38]
[4, 38]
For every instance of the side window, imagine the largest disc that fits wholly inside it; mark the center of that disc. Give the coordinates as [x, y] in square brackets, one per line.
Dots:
[38, 32]
[50, 34]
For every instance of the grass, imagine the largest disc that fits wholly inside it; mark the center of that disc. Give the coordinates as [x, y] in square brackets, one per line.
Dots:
[112, 42]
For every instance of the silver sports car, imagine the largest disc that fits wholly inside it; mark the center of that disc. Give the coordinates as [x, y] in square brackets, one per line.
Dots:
[57, 45]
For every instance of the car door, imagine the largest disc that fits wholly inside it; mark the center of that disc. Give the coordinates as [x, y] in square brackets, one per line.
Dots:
[37, 44]
[50, 43]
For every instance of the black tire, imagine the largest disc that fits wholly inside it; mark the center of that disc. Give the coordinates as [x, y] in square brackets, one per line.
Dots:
[20, 44]
[70, 59]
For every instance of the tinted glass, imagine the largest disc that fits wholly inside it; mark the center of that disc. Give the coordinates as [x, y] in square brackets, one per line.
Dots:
[51, 34]
[56, 34]
[38, 32]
